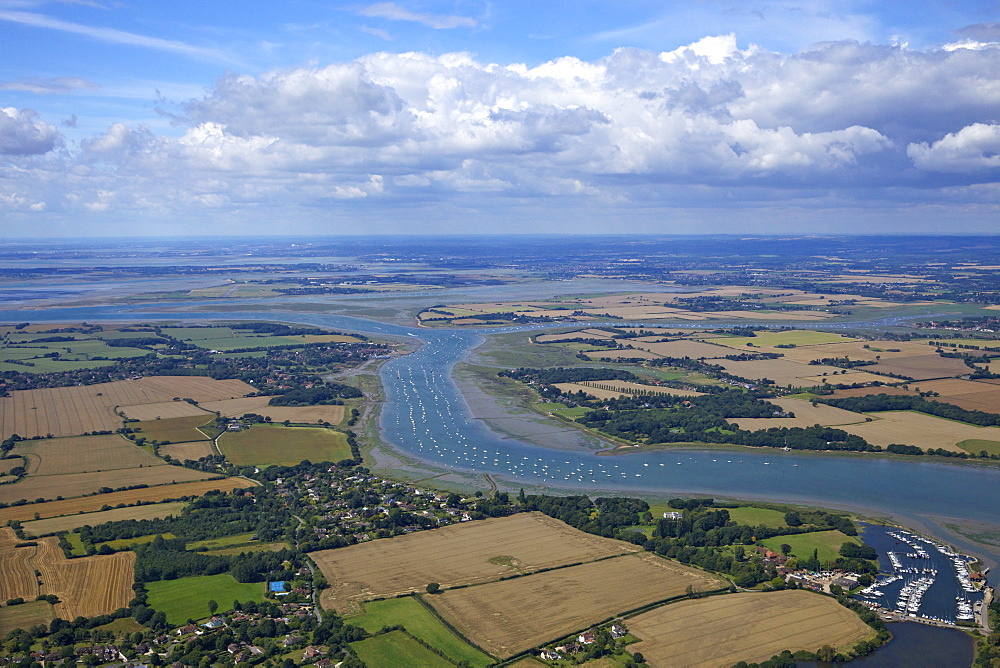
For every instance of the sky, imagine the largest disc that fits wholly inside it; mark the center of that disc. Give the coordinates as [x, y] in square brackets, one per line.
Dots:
[305, 117]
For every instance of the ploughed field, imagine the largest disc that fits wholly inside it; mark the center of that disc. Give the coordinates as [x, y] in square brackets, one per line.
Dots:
[723, 630]
[86, 587]
[460, 554]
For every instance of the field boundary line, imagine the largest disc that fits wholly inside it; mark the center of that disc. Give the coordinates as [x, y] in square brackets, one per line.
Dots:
[447, 624]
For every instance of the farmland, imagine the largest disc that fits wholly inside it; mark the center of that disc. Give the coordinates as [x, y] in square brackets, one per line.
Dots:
[83, 454]
[70, 411]
[187, 598]
[193, 450]
[806, 415]
[175, 430]
[70, 522]
[419, 622]
[397, 649]
[96, 502]
[925, 431]
[86, 587]
[163, 410]
[25, 616]
[723, 630]
[298, 414]
[456, 555]
[78, 484]
[511, 616]
[264, 445]
[967, 394]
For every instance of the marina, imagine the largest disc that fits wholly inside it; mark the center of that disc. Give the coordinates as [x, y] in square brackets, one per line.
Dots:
[920, 579]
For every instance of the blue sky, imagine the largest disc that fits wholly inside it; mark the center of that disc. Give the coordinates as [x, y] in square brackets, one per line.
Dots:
[467, 116]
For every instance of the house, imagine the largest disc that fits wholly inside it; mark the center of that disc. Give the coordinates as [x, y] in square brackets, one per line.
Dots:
[618, 631]
[586, 638]
[672, 516]
[550, 655]
[185, 630]
[846, 581]
[312, 652]
[214, 623]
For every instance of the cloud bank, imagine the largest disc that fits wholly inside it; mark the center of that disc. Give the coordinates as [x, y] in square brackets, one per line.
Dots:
[705, 126]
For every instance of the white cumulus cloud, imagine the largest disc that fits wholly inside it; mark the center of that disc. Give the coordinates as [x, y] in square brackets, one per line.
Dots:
[975, 147]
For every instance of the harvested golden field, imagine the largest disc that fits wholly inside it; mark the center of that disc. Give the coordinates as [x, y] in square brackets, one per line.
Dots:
[846, 377]
[70, 411]
[82, 454]
[258, 405]
[180, 451]
[69, 522]
[781, 371]
[163, 410]
[199, 388]
[77, 484]
[854, 350]
[237, 407]
[723, 630]
[596, 392]
[692, 349]
[921, 367]
[925, 431]
[967, 394]
[868, 391]
[89, 586]
[463, 553]
[638, 388]
[801, 316]
[621, 354]
[806, 415]
[508, 617]
[94, 503]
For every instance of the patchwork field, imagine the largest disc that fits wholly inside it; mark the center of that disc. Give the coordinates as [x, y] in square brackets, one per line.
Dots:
[70, 522]
[511, 616]
[692, 349]
[723, 630]
[70, 411]
[94, 503]
[782, 371]
[456, 555]
[86, 587]
[925, 431]
[264, 445]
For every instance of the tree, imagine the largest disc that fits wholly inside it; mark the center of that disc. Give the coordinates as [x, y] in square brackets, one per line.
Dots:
[433, 588]
[213, 605]
[786, 549]
[792, 519]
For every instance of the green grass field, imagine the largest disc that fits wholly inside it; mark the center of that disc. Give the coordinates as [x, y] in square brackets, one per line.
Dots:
[826, 542]
[25, 616]
[264, 445]
[187, 598]
[758, 516]
[175, 430]
[76, 544]
[397, 649]
[977, 445]
[122, 543]
[225, 541]
[421, 623]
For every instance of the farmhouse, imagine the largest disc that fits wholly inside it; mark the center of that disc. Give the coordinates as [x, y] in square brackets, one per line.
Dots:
[672, 516]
